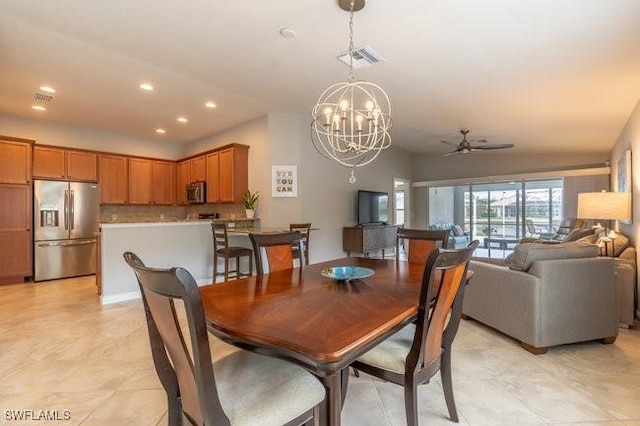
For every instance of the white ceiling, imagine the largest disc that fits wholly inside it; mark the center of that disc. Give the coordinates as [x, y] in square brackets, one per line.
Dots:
[546, 75]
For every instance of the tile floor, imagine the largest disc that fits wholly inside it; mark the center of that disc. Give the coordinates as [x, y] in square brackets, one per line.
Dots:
[59, 349]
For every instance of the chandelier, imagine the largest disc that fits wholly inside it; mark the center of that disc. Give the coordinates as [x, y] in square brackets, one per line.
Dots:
[350, 122]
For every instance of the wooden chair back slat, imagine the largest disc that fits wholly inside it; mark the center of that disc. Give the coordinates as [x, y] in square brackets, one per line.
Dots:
[278, 248]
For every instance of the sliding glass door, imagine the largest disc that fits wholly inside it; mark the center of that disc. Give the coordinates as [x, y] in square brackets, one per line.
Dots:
[497, 214]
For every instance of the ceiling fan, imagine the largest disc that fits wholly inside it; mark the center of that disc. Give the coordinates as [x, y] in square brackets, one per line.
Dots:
[467, 146]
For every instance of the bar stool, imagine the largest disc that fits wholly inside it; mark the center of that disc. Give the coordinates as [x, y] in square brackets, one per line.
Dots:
[221, 249]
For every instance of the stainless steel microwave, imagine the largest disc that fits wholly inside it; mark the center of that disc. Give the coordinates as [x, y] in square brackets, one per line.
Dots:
[196, 193]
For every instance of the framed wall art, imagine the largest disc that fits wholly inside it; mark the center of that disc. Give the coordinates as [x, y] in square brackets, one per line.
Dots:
[284, 181]
[624, 175]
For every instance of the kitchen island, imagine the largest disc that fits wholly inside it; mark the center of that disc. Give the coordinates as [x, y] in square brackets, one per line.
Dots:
[187, 244]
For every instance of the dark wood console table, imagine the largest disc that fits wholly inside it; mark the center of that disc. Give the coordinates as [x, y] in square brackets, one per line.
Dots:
[366, 239]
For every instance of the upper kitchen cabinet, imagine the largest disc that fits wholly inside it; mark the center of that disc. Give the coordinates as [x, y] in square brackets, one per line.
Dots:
[140, 181]
[15, 160]
[151, 181]
[162, 179]
[233, 173]
[112, 178]
[213, 177]
[58, 163]
[183, 178]
[198, 169]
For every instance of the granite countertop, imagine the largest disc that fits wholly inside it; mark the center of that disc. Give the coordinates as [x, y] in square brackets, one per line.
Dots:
[241, 223]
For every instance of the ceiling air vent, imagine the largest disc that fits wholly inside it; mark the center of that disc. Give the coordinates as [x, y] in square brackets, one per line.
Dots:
[41, 98]
[362, 57]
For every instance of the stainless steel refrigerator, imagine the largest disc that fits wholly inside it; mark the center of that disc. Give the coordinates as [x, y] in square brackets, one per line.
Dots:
[65, 216]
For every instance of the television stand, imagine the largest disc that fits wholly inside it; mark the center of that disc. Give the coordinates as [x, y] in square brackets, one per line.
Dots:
[367, 239]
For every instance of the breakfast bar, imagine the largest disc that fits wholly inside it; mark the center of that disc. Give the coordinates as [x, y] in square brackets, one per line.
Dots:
[186, 243]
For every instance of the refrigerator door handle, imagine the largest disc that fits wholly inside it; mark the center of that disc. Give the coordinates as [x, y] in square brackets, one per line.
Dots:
[67, 243]
[72, 209]
[66, 209]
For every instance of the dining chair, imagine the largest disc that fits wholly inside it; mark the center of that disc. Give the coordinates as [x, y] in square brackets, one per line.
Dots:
[221, 249]
[278, 248]
[421, 243]
[242, 388]
[305, 230]
[416, 353]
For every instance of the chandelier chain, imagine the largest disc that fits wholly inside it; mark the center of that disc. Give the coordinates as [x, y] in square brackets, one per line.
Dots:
[351, 48]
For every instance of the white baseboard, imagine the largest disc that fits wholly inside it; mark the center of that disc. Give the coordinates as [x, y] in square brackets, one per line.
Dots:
[125, 297]
[117, 298]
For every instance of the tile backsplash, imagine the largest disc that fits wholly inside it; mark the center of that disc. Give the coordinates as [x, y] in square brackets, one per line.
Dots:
[135, 213]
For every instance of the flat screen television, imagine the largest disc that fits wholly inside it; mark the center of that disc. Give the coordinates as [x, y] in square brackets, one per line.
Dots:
[373, 208]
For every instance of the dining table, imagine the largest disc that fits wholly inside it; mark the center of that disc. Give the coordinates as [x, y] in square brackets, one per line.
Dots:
[321, 323]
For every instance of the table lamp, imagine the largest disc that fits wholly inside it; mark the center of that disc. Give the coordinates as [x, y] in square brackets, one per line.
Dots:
[605, 206]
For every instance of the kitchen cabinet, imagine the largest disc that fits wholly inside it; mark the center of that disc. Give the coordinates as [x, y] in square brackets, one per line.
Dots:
[151, 181]
[15, 210]
[233, 173]
[112, 178]
[15, 161]
[182, 179]
[140, 181]
[198, 169]
[213, 178]
[58, 163]
[82, 165]
[162, 181]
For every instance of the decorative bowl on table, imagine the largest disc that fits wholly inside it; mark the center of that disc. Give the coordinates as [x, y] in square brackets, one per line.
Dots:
[347, 273]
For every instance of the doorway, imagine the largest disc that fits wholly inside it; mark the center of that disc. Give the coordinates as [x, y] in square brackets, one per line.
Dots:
[401, 202]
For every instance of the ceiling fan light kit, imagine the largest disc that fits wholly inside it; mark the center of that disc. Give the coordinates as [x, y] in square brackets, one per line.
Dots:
[467, 146]
[351, 120]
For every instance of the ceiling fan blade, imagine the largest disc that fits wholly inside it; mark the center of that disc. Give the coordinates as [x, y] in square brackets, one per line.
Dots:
[450, 143]
[451, 153]
[478, 140]
[494, 146]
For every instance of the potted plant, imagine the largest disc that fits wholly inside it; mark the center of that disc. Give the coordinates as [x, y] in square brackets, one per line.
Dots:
[250, 203]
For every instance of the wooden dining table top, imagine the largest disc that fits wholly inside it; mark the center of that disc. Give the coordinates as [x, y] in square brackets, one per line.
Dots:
[318, 322]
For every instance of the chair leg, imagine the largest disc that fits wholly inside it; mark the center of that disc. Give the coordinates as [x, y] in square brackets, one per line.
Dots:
[447, 384]
[356, 372]
[226, 268]
[411, 403]
[174, 411]
[250, 265]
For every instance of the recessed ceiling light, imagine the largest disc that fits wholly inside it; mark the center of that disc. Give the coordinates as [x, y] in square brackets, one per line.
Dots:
[38, 107]
[147, 87]
[161, 131]
[287, 33]
[47, 89]
[210, 104]
[182, 119]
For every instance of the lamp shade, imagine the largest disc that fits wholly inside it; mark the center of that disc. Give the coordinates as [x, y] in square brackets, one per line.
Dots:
[604, 205]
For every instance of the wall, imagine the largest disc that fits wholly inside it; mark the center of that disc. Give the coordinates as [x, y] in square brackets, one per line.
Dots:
[329, 200]
[434, 167]
[58, 134]
[441, 205]
[629, 138]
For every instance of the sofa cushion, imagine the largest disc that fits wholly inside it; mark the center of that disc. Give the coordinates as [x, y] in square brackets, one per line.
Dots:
[525, 254]
[457, 230]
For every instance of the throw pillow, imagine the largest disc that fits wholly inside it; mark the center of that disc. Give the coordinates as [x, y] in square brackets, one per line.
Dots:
[457, 230]
[525, 254]
[577, 234]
